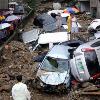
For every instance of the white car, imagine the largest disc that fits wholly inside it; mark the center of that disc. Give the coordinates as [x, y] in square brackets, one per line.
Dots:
[85, 64]
[54, 71]
[95, 24]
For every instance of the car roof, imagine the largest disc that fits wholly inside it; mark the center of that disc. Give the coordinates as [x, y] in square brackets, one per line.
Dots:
[59, 51]
[53, 37]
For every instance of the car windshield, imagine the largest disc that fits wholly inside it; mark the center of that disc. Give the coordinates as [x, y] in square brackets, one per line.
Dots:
[92, 62]
[55, 64]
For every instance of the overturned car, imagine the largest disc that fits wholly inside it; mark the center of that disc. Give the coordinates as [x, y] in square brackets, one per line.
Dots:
[85, 64]
[54, 71]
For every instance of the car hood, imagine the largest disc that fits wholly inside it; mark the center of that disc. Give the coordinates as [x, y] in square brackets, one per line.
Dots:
[52, 78]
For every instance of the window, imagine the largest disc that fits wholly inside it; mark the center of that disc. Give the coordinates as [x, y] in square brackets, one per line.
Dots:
[55, 64]
[92, 62]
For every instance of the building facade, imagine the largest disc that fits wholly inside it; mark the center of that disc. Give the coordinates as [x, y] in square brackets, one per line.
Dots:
[84, 5]
[4, 4]
[95, 8]
[92, 6]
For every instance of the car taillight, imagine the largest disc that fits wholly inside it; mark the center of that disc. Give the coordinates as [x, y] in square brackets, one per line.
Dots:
[87, 49]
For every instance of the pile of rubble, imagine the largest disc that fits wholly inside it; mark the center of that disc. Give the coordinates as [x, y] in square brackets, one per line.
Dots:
[84, 20]
[16, 59]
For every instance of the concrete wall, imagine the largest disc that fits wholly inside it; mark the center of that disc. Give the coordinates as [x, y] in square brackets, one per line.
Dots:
[98, 12]
[93, 3]
[4, 4]
[85, 6]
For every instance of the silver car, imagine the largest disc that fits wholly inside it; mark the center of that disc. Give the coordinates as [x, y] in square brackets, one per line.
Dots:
[55, 68]
[85, 64]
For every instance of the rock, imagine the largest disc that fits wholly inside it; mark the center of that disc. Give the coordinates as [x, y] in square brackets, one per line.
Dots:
[56, 6]
[6, 88]
[1, 98]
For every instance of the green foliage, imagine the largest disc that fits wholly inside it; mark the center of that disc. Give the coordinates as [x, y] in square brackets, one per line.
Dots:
[72, 2]
[31, 3]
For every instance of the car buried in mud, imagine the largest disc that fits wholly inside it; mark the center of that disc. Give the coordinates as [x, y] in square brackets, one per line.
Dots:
[54, 71]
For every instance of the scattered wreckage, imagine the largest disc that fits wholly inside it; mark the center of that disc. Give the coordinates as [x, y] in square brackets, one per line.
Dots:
[85, 64]
[83, 59]
[66, 58]
[30, 37]
[95, 24]
[47, 21]
[94, 29]
[54, 71]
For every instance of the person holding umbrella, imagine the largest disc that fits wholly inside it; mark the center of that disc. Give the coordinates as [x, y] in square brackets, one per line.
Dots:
[69, 24]
[74, 28]
[72, 24]
[58, 22]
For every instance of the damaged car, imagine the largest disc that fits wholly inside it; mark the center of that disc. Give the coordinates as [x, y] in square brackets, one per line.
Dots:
[94, 25]
[85, 64]
[54, 71]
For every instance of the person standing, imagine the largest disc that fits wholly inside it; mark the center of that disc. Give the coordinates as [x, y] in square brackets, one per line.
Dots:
[20, 91]
[69, 24]
[74, 27]
[58, 22]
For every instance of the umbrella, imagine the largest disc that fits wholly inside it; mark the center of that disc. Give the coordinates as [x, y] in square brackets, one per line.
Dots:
[71, 10]
[12, 18]
[4, 25]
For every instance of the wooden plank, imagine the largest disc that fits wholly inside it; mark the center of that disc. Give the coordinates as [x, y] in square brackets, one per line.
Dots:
[90, 93]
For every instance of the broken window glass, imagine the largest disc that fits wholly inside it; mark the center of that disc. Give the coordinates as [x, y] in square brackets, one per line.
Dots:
[55, 64]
